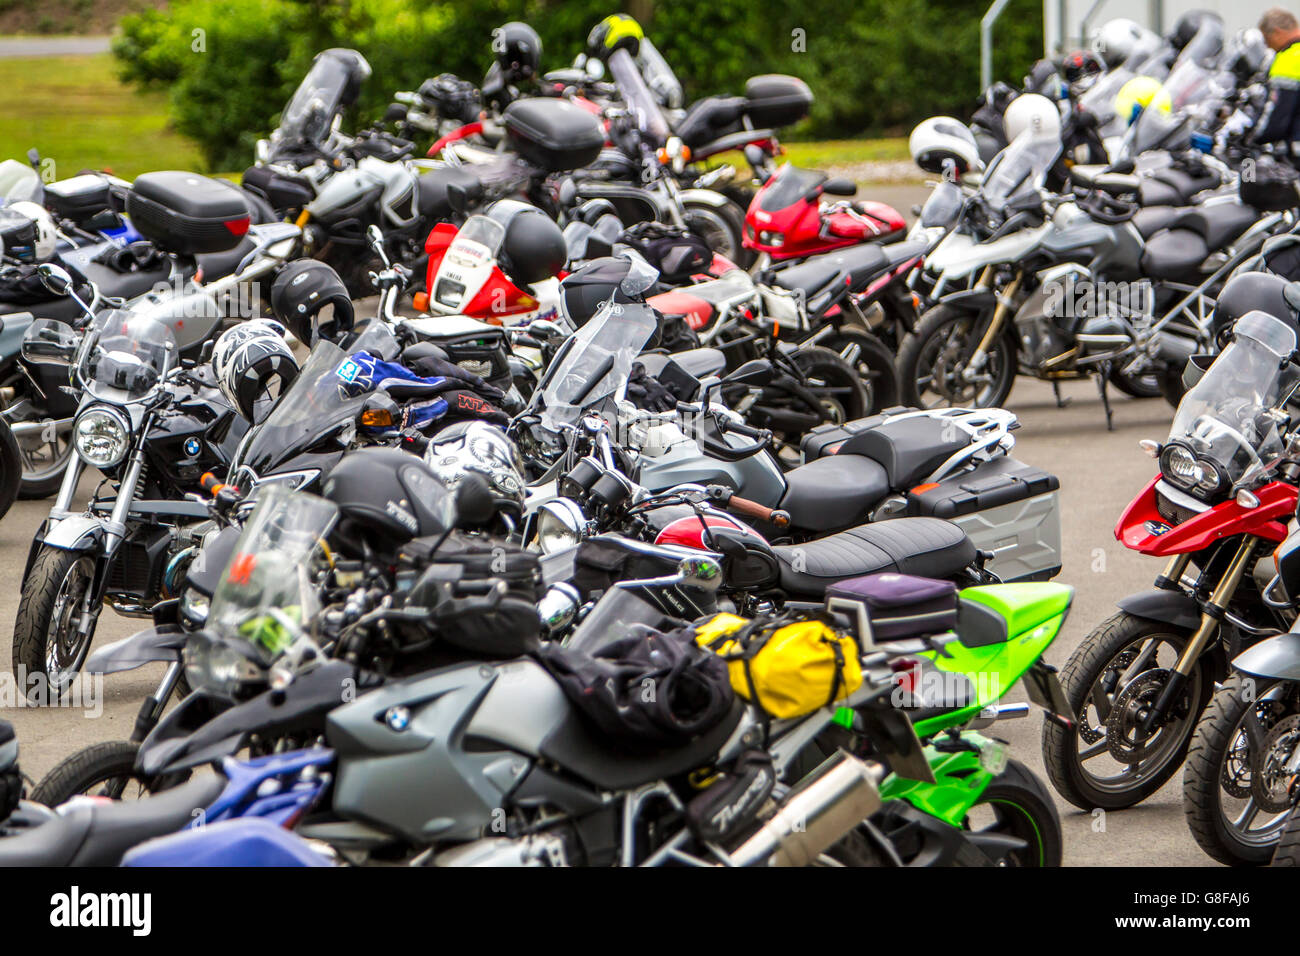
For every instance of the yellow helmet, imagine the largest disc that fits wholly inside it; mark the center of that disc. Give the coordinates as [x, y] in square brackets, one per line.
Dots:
[616, 31]
[1139, 93]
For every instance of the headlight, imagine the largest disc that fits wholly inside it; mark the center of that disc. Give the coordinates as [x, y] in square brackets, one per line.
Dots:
[560, 524]
[1187, 471]
[213, 666]
[194, 607]
[101, 436]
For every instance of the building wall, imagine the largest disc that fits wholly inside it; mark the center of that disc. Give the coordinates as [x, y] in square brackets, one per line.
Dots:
[1159, 15]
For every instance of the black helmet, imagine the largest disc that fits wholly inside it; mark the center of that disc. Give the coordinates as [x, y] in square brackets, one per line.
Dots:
[386, 497]
[584, 290]
[1190, 24]
[618, 31]
[1248, 292]
[533, 247]
[518, 51]
[302, 289]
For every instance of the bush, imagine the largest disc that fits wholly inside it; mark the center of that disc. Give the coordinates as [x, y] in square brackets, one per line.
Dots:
[876, 66]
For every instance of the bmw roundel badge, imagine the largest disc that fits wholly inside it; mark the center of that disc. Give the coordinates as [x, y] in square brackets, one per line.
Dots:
[192, 447]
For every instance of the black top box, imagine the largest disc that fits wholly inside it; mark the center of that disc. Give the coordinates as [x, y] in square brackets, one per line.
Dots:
[777, 100]
[553, 134]
[186, 213]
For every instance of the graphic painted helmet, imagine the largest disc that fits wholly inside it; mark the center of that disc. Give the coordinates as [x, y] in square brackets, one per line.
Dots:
[252, 362]
[479, 448]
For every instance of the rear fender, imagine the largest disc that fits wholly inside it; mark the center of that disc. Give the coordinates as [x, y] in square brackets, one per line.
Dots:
[959, 782]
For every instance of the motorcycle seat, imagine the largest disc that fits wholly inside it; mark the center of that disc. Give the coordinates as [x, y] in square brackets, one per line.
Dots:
[98, 834]
[927, 547]
[697, 362]
[909, 449]
[1218, 223]
[1175, 255]
[834, 492]
[431, 191]
[218, 264]
[857, 263]
[1151, 219]
[580, 750]
[709, 118]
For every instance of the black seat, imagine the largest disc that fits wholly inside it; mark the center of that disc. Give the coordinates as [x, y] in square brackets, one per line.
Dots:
[928, 547]
[581, 750]
[834, 492]
[1218, 223]
[907, 448]
[709, 118]
[696, 362]
[1152, 219]
[435, 205]
[218, 264]
[859, 263]
[98, 835]
[1175, 255]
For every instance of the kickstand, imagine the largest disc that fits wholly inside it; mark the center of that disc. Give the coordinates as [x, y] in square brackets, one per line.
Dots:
[1103, 376]
[1061, 402]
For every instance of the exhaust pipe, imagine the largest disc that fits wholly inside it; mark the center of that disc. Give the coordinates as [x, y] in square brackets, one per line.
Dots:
[838, 795]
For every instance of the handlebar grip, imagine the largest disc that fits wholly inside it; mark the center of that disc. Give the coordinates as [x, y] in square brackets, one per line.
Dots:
[752, 509]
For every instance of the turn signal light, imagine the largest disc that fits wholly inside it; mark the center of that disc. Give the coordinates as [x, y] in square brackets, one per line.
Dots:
[421, 301]
[377, 418]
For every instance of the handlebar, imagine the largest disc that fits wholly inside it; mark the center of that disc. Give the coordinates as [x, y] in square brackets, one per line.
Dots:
[752, 509]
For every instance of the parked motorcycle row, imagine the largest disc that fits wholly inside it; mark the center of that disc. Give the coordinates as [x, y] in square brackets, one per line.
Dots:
[559, 498]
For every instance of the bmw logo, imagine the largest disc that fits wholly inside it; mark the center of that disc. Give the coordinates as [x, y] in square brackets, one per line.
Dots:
[397, 718]
[192, 447]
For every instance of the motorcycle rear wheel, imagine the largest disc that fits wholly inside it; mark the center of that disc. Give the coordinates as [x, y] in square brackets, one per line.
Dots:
[105, 770]
[933, 358]
[55, 591]
[1023, 808]
[874, 365]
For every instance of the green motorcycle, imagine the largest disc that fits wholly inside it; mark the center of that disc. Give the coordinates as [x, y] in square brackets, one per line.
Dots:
[954, 797]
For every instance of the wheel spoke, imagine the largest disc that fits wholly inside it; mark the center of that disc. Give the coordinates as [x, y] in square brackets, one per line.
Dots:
[1247, 816]
[1094, 751]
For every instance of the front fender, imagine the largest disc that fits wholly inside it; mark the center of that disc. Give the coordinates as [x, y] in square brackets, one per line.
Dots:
[156, 644]
[971, 300]
[1276, 657]
[708, 197]
[1167, 607]
[73, 533]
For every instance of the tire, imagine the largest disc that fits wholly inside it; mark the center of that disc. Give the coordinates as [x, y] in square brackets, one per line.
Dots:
[40, 611]
[1287, 852]
[104, 769]
[1105, 650]
[1023, 808]
[11, 469]
[836, 381]
[1215, 751]
[945, 331]
[719, 226]
[1138, 386]
[874, 365]
[44, 478]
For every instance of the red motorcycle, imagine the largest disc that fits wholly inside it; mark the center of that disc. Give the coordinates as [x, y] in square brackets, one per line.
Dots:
[1219, 507]
[787, 218]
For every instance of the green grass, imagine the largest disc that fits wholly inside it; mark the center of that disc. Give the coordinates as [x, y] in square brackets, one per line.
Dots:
[844, 152]
[74, 110]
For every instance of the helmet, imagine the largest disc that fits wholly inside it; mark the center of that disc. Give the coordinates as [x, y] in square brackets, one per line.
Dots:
[1032, 112]
[518, 51]
[617, 31]
[248, 358]
[1249, 56]
[302, 289]
[1135, 96]
[623, 278]
[1190, 24]
[1250, 292]
[533, 247]
[386, 497]
[27, 232]
[482, 449]
[1044, 79]
[1116, 40]
[1080, 68]
[942, 138]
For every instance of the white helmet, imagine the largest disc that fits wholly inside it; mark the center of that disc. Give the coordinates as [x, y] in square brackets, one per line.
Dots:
[1030, 111]
[248, 359]
[479, 448]
[27, 232]
[942, 138]
[1116, 40]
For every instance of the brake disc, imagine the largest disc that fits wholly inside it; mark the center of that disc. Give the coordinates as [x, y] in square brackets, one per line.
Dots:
[1270, 784]
[1123, 738]
[1117, 665]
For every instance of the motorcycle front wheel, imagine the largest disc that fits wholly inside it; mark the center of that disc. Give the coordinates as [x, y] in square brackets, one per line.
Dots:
[47, 640]
[1236, 790]
[1105, 761]
[720, 227]
[101, 770]
[934, 358]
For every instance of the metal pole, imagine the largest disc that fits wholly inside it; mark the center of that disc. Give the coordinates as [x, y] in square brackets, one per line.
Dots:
[1087, 19]
[986, 42]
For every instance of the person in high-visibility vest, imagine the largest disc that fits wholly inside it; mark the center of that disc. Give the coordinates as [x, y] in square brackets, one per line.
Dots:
[1280, 121]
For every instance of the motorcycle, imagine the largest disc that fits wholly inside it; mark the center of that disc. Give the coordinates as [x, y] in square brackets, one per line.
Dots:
[1139, 682]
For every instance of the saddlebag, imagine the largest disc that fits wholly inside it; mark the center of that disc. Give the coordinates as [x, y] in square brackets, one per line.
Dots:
[774, 100]
[186, 213]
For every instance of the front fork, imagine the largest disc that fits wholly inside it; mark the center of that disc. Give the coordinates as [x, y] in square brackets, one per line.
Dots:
[1211, 616]
[976, 364]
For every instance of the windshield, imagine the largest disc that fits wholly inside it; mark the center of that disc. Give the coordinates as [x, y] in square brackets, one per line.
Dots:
[1190, 96]
[267, 594]
[318, 402]
[130, 356]
[1229, 421]
[638, 98]
[1019, 169]
[310, 113]
[659, 75]
[788, 186]
[597, 363]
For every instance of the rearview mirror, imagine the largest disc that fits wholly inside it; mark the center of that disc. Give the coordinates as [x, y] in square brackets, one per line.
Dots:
[50, 342]
[839, 187]
[55, 278]
[758, 372]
